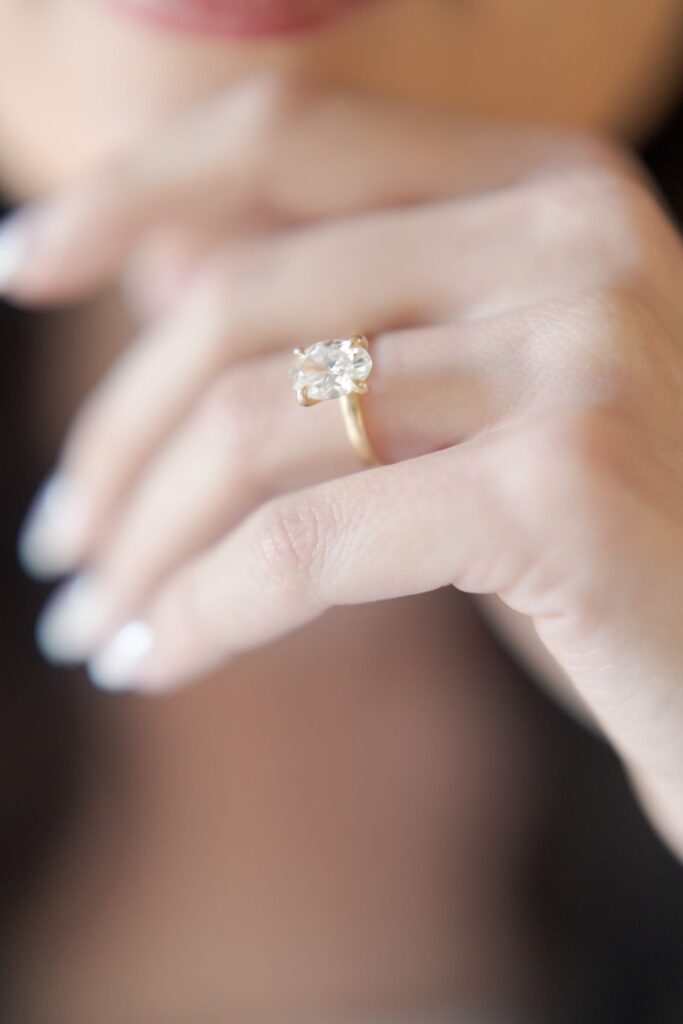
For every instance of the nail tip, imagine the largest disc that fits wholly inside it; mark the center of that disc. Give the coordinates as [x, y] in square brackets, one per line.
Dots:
[106, 682]
[69, 626]
[53, 650]
[52, 536]
[114, 668]
[39, 563]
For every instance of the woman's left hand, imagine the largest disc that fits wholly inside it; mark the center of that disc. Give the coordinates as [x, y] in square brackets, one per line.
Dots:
[522, 291]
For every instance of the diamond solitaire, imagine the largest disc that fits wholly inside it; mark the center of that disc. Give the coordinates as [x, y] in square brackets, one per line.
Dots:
[331, 369]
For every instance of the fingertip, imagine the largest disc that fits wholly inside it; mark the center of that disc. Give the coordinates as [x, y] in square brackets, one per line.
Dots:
[29, 259]
[71, 622]
[57, 249]
[52, 538]
[117, 666]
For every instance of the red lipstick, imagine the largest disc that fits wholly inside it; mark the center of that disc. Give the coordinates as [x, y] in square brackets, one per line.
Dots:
[237, 18]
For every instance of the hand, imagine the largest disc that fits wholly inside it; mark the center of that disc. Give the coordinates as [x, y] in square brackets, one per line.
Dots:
[522, 292]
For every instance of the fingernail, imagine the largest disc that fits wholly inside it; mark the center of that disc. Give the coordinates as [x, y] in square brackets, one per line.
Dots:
[116, 666]
[72, 621]
[12, 251]
[52, 538]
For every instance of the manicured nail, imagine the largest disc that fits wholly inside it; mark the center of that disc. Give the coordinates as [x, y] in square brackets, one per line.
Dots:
[53, 535]
[12, 252]
[117, 665]
[72, 621]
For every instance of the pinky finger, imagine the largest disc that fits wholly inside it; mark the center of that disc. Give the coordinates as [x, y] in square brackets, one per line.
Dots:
[396, 530]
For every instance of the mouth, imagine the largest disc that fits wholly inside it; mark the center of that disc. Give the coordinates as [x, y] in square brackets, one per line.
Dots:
[237, 18]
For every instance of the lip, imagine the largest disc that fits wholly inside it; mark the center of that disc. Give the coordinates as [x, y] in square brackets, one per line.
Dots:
[236, 18]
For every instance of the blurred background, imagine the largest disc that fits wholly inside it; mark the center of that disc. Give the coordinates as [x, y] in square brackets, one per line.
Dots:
[599, 895]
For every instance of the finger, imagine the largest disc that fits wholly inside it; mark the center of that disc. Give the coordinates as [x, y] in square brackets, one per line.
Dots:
[268, 151]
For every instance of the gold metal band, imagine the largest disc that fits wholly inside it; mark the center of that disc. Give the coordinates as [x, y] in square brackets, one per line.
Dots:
[356, 431]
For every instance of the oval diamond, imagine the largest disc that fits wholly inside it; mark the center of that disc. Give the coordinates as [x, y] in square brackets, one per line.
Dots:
[330, 369]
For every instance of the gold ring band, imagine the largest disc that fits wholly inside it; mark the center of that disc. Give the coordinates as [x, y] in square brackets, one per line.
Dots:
[356, 431]
[338, 369]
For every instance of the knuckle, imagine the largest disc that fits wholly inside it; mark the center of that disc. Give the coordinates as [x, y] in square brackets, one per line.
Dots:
[590, 445]
[623, 334]
[293, 538]
[574, 467]
[594, 456]
[600, 345]
[599, 214]
[587, 471]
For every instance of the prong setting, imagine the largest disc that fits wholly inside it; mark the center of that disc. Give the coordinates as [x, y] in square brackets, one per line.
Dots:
[303, 397]
[331, 369]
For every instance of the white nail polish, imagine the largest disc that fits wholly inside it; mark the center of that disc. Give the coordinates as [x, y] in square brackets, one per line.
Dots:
[12, 251]
[52, 538]
[117, 664]
[72, 622]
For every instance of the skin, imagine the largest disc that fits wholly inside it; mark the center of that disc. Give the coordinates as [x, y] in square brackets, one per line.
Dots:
[536, 276]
